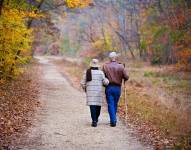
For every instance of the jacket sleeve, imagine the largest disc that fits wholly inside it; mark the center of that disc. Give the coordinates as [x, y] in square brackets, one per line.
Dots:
[103, 69]
[125, 76]
[104, 80]
[83, 81]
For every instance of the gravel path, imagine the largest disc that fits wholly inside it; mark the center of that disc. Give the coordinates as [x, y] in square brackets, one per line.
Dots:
[63, 123]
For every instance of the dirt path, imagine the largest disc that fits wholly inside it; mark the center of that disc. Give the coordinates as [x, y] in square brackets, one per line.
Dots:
[63, 123]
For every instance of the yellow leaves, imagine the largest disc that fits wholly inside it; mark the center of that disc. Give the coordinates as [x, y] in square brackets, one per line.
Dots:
[64, 14]
[186, 53]
[72, 3]
[184, 56]
[98, 44]
[104, 44]
[77, 3]
[85, 3]
[15, 39]
[108, 41]
[33, 15]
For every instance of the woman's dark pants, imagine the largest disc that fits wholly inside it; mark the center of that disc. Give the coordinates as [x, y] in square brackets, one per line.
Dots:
[95, 112]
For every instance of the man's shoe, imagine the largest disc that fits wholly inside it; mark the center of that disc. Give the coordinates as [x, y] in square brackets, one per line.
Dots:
[113, 124]
[94, 124]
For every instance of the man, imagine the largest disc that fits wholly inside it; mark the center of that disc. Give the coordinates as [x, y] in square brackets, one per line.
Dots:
[115, 72]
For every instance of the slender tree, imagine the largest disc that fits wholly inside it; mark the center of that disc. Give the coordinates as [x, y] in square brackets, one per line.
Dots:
[1, 6]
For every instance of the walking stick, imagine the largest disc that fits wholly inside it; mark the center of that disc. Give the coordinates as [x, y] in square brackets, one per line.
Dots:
[125, 99]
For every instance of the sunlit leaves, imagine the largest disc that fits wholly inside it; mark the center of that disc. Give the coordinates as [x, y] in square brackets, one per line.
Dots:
[77, 3]
[15, 39]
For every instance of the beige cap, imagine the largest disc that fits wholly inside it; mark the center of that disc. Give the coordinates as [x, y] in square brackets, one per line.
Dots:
[94, 63]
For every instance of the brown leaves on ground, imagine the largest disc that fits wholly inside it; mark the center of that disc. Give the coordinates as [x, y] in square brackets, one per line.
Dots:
[146, 131]
[18, 100]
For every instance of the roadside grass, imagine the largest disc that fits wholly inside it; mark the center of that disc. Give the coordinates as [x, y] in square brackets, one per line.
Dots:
[157, 122]
[144, 104]
[72, 70]
[183, 143]
[75, 71]
[143, 96]
[136, 64]
[148, 109]
[173, 85]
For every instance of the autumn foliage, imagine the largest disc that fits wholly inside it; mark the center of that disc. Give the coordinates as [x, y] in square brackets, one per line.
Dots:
[15, 38]
[166, 33]
[16, 34]
[77, 3]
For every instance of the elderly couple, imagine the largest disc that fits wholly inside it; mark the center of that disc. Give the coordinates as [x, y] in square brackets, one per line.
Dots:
[111, 77]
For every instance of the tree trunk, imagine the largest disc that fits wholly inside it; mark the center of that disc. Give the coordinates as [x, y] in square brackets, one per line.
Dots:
[31, 20]
[188, 3]
[38, 7]
[16, 57]
[127, 43]
[159, 6]
[1, 6]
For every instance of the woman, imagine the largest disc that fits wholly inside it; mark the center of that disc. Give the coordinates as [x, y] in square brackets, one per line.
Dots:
[92, 83]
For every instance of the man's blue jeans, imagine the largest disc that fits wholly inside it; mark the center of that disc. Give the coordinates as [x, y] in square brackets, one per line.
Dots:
[112, 95]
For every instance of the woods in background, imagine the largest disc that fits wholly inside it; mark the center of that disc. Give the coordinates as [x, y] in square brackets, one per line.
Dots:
[165, 34]
[152, 30]
[158, 31]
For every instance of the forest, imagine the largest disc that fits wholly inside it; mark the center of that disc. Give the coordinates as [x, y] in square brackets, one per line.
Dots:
[153, 38]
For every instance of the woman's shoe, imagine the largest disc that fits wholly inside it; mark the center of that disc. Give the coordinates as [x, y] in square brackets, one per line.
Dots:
[94, 124]
[113, 124]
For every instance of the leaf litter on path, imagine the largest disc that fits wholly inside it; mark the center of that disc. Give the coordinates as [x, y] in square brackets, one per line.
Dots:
[18, 102]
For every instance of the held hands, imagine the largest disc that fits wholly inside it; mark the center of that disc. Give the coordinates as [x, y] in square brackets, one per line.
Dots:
[105, 82]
